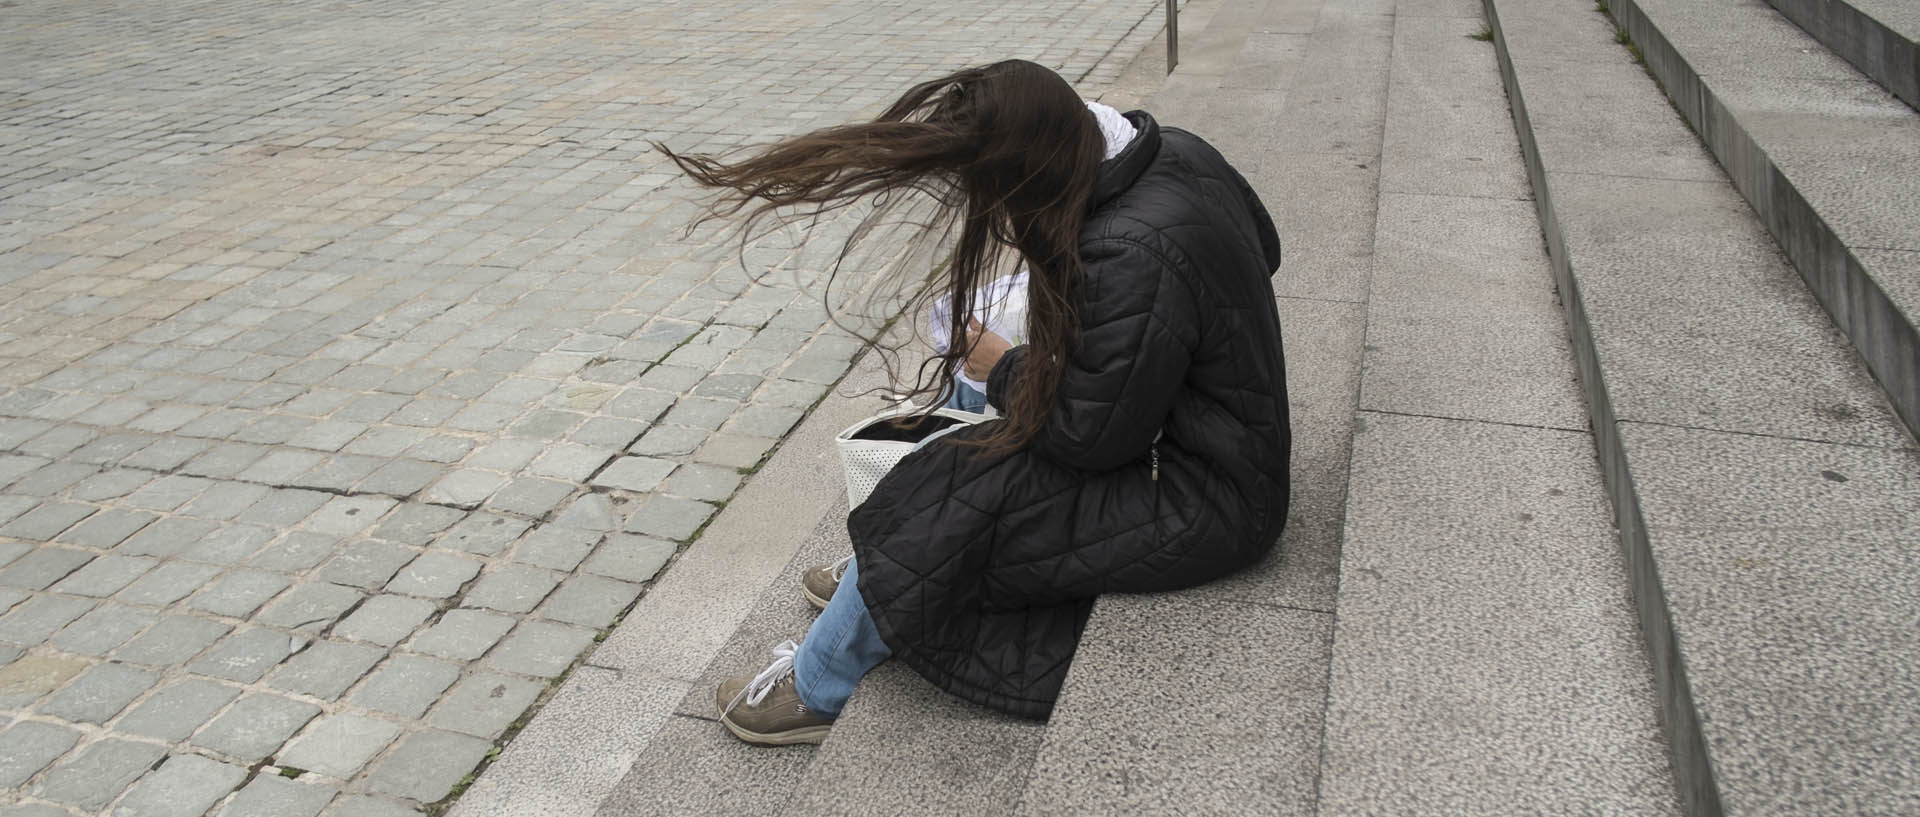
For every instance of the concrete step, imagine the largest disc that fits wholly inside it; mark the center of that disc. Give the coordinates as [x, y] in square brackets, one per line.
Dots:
[1486, 659]
[1825, 156]
[1877, 36]
[1209, 701]
[1761, 483]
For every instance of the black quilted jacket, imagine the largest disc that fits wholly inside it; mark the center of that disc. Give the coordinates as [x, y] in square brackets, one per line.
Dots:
[980, 572]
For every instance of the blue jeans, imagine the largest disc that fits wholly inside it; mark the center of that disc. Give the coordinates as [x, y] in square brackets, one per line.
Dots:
[840, 647]
[843, 644]
[966, 398]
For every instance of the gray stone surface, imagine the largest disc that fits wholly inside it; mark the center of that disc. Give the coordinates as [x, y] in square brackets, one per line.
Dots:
[104, 576]
[384, 619]
[426, 765]
[462, 635]
[406, 685]
[183, 786]
[918, 750]
[270, 796]
[255, 726]
[1236, 690]
[512, 588]
[589, 601]
[239, 593]
[171, 641]
[98, 774]
[102, 629]
[339, 745]
[1877, 36]
[325, 669]
[99, 694]
[40, 617]
[485, 704]
[539, 648]
[246, 655]
[1756, 356]
[1448, 132]
[630, 558]
[1463, 539]
[27, 747]
[176, 710]
[694, 766]
[434, 575]
[367, 564]
[311, 606]
[43, 567]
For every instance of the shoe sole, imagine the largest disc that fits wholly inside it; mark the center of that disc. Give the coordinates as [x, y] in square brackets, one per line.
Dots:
[813, 599]
[811, 734]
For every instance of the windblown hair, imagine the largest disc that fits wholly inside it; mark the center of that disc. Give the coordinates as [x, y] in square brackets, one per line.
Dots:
[1006, 153]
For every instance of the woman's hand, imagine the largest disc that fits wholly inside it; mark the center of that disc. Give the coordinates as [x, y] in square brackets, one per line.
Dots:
[984, 349]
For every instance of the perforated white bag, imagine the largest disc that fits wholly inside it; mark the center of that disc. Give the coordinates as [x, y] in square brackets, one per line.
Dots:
[866, 459]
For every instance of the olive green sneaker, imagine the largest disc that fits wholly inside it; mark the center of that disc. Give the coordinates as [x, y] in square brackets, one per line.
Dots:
[818, 583]
[766, 708]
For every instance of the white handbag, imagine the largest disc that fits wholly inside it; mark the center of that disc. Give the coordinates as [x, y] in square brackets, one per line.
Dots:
[871, 447]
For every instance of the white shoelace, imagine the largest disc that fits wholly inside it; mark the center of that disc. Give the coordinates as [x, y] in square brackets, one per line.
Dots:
[756, 690]
[839, 569]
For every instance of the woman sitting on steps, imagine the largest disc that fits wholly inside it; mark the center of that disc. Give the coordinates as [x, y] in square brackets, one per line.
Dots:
[1144, 439]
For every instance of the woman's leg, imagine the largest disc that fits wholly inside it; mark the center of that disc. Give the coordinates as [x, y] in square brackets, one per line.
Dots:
[839, 649]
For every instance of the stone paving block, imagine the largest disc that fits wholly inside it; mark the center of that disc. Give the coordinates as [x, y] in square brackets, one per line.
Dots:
[279, 467]
[406, 685]
[570, 462]
[505, 455]
[44, 566]
[26, 679]
[629, 557]
[284, 507]
[462, 635]
[416, 523]
[402, 477]
[183, 786]
[346, 516]
[13, 506]
[531, 496]
[426, 765]
[51, 478]
[296, 552]
[47, 520]
[40, 617]
[108, 528]
[167, 537]
[274, 796]
[434, 575]
[589, 601]
[223, 501]
[108, 485]
[708, 482]
[339, 745]
[246, 655]
[640, 403]
[177, 709]
[28, 746]
[485, 704]
[483, 534]
[99, 694]
[370, 806]
[735, 450]
[638, 474]
[104, 576]
[511, 588]
[230, 545]
[540, 648]
[102, 629]
[168, 493]
[385, 620]
[310, 605]
[100, 773]
[763, 421]
[367, 564]
[168, 583]
[591, 512]
[256, 726]
[441, 448]
[326, 669]
[670, 517]
[34, 810]
[239, 593]
[669, 441]
[166, 454]
[338, 473]
[172, 641]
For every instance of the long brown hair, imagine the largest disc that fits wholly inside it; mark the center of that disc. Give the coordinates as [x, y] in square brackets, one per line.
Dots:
[1007, 154]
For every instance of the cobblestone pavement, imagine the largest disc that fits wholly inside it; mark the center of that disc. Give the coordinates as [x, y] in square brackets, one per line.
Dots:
[356, 373]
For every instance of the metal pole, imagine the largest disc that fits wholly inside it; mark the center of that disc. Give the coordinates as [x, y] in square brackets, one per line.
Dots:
[1173, 34]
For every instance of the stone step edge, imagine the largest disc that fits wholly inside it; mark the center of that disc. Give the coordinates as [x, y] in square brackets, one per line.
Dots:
[1876, 49]
[1846, 286]
[1692, 769]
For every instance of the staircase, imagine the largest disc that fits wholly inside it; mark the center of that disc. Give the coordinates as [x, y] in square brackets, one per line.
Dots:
[1470, 613]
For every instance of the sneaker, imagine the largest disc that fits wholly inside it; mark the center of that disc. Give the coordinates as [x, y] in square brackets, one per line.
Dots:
[766, 708]
[818, 583]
